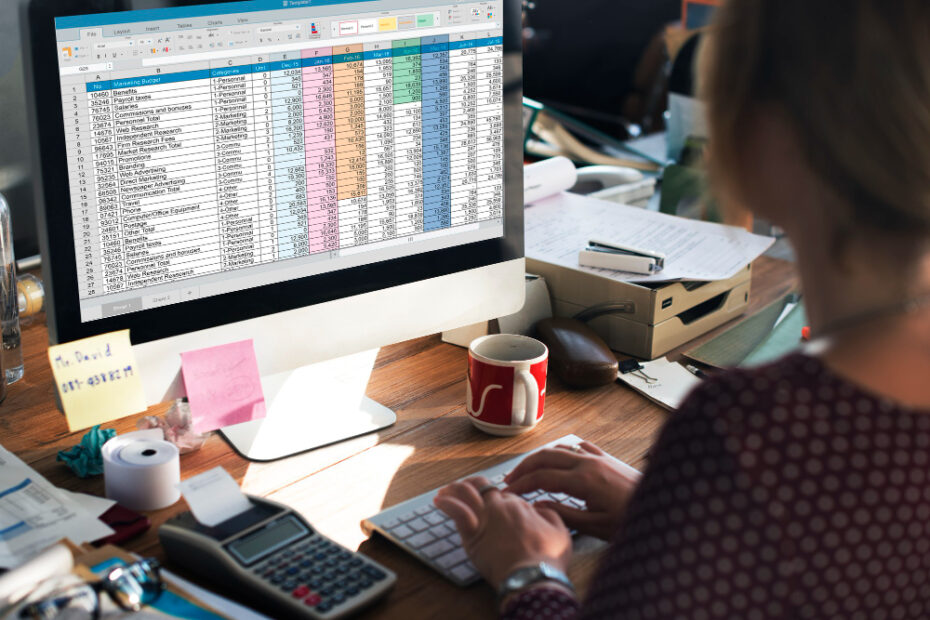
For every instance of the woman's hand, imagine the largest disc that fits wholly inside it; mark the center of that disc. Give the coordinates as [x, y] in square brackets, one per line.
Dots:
[501, 531]
[586, 473]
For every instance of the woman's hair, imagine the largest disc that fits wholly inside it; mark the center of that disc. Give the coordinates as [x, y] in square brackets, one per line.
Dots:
[853, 78]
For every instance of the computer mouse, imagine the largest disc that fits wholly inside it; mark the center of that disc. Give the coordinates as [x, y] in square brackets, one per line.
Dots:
[577, 355]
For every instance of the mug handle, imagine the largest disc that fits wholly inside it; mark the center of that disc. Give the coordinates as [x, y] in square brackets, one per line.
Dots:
[532, 397]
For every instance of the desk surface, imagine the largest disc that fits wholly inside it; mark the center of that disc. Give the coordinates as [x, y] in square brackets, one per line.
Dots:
[337, 486]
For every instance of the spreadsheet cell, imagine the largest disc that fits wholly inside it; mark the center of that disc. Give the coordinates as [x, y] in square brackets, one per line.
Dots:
[199, 168]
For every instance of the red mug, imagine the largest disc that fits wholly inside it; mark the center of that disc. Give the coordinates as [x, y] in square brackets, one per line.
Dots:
[506, 385]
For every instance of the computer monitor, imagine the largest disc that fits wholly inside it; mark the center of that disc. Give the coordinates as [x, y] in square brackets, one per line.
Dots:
[320, 176]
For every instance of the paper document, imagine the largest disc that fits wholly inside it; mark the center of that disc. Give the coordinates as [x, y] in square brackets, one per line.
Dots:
[34, 514]
[664, 382]
[561, 226]
[214, 496]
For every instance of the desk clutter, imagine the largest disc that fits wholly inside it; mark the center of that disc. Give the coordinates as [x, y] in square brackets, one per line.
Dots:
[261, 550]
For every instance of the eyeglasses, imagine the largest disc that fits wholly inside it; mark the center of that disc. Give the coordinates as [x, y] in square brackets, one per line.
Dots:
[131, 587]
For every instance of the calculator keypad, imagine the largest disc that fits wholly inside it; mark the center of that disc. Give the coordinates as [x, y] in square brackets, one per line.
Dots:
[319, 573]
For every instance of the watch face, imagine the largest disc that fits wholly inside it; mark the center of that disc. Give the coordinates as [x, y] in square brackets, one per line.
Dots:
[528, 575]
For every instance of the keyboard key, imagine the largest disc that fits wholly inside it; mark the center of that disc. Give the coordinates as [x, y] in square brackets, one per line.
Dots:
[435, 518]
[452, 558]
[531, 495]
[497, 480]
[313, 600]
[324, 606]
[424, 509]
[437, 548]
[418, 525]
[300, 591]
[456, 539]
[391, 523]
[407, 516]
[560, 497]
[352, 590]
[418, 540]
[402, 532]
[441, 531]
[464, 571]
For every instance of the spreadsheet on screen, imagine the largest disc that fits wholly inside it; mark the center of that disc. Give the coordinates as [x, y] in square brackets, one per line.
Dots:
[216, 148]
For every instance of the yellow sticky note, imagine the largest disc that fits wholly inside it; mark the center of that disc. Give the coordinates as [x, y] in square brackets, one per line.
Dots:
[97, 378]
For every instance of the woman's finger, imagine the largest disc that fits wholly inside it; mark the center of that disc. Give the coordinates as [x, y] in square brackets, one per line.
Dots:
[466, 520]
[572, 518]
[466, 491]
[590, 447]
[550, 458]
[551, 480]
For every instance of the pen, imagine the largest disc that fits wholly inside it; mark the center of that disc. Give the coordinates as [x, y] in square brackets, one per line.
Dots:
[697, 372]
[609, 255]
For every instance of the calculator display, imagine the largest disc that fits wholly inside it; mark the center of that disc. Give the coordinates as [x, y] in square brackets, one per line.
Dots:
[271, 537]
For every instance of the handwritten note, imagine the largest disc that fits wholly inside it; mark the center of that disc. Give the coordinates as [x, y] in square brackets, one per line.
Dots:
[223, 385]
[97, 378]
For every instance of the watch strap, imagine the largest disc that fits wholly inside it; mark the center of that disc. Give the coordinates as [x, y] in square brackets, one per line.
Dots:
[526, 576]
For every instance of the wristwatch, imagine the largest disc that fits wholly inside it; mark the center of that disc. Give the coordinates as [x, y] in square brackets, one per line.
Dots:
[528, 575]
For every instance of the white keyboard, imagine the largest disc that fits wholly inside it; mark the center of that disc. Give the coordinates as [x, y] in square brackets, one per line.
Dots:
[428, 534]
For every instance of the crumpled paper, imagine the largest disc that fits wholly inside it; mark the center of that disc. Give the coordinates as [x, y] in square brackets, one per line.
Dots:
[176, 425]
[85, 459]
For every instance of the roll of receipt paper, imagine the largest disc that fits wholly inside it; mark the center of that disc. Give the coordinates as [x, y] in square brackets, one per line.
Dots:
[141, 470]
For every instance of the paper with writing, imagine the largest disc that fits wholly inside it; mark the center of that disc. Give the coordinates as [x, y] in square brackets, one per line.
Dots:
[559, 227]
[223, 385]
[672, 382]
[97, 379]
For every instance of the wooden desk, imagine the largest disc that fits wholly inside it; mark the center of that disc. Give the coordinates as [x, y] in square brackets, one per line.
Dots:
[336, 487]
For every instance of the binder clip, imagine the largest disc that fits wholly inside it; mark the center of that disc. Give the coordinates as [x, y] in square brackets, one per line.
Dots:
[632, 367]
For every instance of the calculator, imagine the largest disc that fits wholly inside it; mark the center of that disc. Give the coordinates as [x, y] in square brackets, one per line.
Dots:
[276, 562]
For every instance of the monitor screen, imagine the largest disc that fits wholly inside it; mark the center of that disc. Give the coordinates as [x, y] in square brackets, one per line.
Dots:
[215, 149]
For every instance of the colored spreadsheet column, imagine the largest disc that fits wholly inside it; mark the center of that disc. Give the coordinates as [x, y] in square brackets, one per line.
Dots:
[437, 202]
[320, 137]
[408, 136]
[379, 141]
[463, 97]
[290, 172]
[490, 57]
[349, 106]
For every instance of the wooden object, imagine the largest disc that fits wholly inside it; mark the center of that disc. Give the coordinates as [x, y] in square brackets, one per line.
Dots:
[431, 444]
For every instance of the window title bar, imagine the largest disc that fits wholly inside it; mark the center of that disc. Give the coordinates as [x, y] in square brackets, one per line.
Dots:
[186, 12]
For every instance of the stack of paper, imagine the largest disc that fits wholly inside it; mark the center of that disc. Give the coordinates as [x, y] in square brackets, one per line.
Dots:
[557, 228]
[34, 514]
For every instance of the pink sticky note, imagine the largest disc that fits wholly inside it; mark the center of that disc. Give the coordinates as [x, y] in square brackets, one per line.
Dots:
[223, 385]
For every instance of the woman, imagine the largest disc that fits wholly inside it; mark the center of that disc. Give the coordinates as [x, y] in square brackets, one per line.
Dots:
[801, 488]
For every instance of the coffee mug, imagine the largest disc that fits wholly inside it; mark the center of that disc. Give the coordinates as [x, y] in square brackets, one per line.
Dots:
[506, 384]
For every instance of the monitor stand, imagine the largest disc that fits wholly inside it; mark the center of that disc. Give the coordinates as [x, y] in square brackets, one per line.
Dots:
[311, 407]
